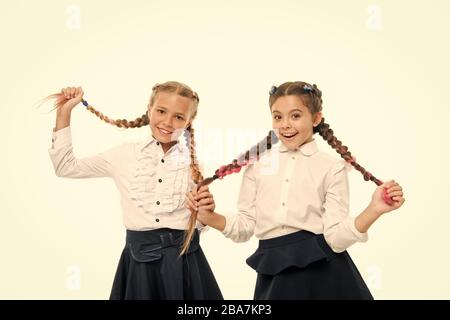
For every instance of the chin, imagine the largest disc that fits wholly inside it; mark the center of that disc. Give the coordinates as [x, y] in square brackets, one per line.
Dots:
[291, 144]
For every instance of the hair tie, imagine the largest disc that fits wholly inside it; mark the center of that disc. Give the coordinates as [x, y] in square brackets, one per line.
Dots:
[308, 88]
[273, 90]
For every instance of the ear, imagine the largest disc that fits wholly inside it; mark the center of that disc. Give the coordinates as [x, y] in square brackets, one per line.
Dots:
[317, 119]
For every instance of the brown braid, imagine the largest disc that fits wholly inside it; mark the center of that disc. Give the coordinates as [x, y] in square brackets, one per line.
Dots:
[248, 157]
[312, 98]
[328, 135]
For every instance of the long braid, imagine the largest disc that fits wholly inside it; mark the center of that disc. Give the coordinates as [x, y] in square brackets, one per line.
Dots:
[195, 170]
[327, 134]
[312, 98]
[248, 157]
[121, 123]
[198, 179]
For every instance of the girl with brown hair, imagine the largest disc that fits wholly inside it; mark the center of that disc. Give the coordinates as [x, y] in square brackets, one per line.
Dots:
[152, 177]
[295, 199]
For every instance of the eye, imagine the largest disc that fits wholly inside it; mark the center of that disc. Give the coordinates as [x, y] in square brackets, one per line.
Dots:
[277, 117]
[160, 111]
[180, 118]
[296, 115]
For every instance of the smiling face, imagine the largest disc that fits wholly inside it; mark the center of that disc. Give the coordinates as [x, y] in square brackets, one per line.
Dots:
[169, 115]
[293, 122]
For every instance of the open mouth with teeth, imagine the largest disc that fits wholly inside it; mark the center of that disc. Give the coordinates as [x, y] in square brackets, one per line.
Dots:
[165, 132]
[289, 135]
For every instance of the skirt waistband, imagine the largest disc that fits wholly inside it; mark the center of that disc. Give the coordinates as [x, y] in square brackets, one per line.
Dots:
[150, 245]
[164, 236]
[285, 240]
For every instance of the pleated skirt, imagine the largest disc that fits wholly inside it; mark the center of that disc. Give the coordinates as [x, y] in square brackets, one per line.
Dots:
[302, 266]
[150, 268]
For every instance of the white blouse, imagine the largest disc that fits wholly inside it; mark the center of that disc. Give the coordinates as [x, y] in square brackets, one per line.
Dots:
[287, 191]
[152, 185]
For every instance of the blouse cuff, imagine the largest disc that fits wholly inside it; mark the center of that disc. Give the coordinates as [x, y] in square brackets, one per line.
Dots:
[227, 230]
[202, 227]
[361, 237]
[61, 138]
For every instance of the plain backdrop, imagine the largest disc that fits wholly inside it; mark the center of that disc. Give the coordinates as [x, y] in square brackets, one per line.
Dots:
[383, 69]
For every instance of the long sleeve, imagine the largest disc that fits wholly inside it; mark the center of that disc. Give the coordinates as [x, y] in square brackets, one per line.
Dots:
[67, 165]
[339, 228]
[240, 227]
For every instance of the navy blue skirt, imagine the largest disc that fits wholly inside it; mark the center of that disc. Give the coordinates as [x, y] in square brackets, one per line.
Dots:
[150, 268]
[301, 265]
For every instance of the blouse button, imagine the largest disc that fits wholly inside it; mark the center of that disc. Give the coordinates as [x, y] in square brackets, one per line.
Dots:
[157, 202]
[157, 220]
[287, 180]
[157, 143]
[283, 204]
[162, 160]
[159, 180]
[293, 158]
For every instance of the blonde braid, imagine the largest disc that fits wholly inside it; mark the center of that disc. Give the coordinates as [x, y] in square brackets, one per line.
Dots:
[195, 170]
[121, 123]
[198, 178]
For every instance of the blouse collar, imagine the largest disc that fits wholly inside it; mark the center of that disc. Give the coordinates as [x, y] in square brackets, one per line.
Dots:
[306, 149]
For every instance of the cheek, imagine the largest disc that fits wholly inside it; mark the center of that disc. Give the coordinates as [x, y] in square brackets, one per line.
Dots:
[152, 121]
[179, 124]
[154, 118]
[276, 124]
[303, 125]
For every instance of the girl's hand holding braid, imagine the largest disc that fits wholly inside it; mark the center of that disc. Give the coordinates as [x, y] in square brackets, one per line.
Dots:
[200, 201]
[387, 197]
[69, 98]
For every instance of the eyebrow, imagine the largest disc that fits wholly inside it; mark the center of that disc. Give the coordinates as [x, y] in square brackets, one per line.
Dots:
[165, 109]
[289, 111]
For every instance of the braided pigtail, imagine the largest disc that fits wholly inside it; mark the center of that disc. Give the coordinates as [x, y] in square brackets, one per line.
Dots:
[197, 178]
[327, 134]
[248, 157]
[121, 123]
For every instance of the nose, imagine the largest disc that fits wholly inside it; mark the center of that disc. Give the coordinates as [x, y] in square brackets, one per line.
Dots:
[286, 123]
[167, 122]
